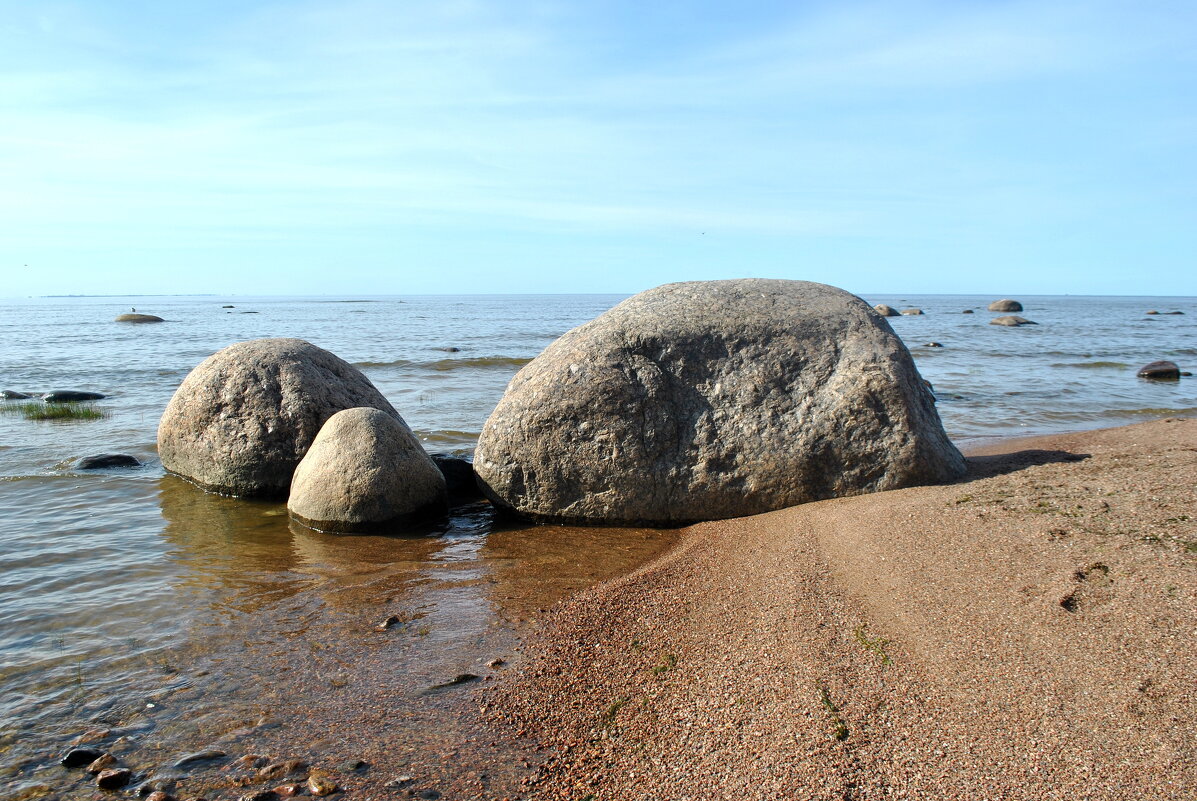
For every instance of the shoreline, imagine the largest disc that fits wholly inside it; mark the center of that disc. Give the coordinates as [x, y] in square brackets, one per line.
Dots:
[1022, 633]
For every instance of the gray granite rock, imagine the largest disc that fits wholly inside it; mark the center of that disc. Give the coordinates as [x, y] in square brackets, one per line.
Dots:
[1005, 305]
[708, 400]
[885, 310]
[241, 421]
[364, 471]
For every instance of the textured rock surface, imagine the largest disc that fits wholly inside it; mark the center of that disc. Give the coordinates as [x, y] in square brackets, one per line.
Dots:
[241, 421]
[1011, 320]
[715, 399]
[885, 310]
[1005, 305]
[1160, 371]
[365, 470]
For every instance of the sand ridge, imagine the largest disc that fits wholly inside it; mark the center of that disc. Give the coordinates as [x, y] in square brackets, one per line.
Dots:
[1026, 633]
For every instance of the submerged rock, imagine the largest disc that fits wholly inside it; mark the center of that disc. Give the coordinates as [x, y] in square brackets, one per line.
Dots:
[11, 394]
[1005, 305]
[78, 757]
[912, 312]
[103, 461]
[707, 400]
[364, 470]
[113, 779]
[967, 311]
[139, 318]
[1011, 320]
[885, 311]
[241, 421]
[200, 756]
[71, 396]
[1160, 371]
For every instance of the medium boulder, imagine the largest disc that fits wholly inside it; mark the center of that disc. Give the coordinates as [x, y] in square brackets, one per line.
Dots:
[241, 421]
[912, 312]
[103, 461]
[365, 470]
[1005, 305]
[12, 394]
[139, 318]
[1160, 371]
[885, 311]
[707, 400]
[71, 396]
[1012, 320]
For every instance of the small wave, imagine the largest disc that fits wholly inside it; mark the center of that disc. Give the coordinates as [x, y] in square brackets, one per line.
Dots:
[445, 365]
[1093, 365]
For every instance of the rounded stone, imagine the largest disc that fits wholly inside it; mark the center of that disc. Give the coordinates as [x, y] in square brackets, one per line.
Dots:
[1160, 371]
[707, 400]
[139, 318]
[104, 461]
[241, 421]
[911, 312]
[885, 310]
[1005, 305]
[364, 471]
[1011, 320]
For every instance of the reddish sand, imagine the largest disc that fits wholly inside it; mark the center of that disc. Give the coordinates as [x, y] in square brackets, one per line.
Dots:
[1027, 633]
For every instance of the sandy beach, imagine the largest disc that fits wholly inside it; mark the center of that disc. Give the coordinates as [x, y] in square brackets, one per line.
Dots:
[1025, 633]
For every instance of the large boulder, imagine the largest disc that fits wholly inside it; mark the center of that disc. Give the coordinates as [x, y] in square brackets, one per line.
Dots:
[1160, 371]
[1005, 305]
[241, 421]
[364, 471]
[885, 310]
[707, 400]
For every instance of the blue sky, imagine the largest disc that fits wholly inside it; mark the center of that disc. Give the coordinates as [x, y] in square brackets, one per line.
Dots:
[407, 147]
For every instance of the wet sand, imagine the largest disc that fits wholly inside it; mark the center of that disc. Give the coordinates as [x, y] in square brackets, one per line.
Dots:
[1026, 633]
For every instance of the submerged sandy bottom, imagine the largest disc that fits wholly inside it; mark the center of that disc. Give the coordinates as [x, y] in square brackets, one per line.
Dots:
[1027, 633]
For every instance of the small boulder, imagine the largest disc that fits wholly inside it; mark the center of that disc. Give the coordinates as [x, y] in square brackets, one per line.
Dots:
[241, 421]
[1174, 312]
[459, 478]
[1160, 371]
[1012, 320]
[365, 470]
[1153, 311]
[321, 784]
[912, 312]
[967, 311]
[71, 396]
[228, 307]
[932, 345]
[101, 763]
[139, 318]
[1005, 305]
[103, 461]
[78, 757]
[12, 394]
[713, 399]
[885, 311]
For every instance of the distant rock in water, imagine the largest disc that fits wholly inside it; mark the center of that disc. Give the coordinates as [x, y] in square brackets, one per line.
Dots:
[967, 311]
[932, 345]
[707, 400]
[365, 470]
[1160, 371]
[450, 349]
[1006, 305]
[1011, 320]
[912, 312]
[885, 311]
[104, 461]
[71, 396]
[1174, 312]
[139, 318]
[11, 394]
[228, 307]
[1153, 311]
[241, 421]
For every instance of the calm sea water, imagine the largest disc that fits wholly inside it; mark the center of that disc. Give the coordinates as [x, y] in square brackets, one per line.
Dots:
[160, 620]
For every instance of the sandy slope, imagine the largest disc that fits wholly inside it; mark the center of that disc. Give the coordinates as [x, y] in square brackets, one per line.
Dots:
[1028, 633]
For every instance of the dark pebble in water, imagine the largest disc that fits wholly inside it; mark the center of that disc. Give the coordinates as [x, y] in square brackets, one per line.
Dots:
[78, 757]
[200, 756]
[353, 765]
[71, 395]
[450, 349]
[461, 678]
[428, 795]
[103, 461]
[386, 624]
[260, 795]
[11, 394]
[113, 779]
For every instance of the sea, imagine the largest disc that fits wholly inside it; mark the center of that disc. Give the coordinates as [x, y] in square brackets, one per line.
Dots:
[142, 616]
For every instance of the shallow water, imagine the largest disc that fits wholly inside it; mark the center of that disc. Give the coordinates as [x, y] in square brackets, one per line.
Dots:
[133, 603]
